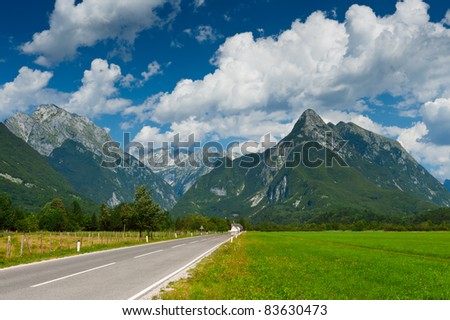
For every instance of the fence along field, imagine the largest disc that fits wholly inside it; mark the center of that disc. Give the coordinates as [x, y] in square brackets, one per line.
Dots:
[17, 248]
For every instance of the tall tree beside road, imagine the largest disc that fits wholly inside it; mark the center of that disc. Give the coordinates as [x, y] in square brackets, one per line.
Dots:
[148, 214]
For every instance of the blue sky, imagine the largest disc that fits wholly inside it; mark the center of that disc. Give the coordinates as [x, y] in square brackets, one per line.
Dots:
[230, 70]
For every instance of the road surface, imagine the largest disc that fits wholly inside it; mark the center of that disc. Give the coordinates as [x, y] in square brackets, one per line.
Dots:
[119, 274]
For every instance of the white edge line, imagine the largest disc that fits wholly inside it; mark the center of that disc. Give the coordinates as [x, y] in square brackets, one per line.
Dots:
[175, 272]
[180, 245]
[147, 254]
[72, 275]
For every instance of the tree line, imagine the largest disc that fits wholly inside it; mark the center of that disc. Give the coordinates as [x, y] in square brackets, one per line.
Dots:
[361, 220]
[143, 215]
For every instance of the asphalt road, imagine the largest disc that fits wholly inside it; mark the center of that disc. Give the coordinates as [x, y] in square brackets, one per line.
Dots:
[119, 274]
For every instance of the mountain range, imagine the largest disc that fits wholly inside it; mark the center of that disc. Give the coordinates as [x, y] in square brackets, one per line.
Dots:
[72, 146]
[317, 167]
[378, 176]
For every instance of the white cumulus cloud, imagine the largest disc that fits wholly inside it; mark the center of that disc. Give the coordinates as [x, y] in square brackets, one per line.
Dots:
[27, 89]
[97, 95]
[436, 115]
[436, 157]
[85, 24]
[319, 63]
[324, 64]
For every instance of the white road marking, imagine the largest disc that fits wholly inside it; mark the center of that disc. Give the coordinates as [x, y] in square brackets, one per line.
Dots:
[72, 275]
[194, 241]
[180, 245]
[146, 254]
[140, 294]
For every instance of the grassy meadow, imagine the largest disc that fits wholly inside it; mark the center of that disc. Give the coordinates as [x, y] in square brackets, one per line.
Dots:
[323, 265]
[40, 246]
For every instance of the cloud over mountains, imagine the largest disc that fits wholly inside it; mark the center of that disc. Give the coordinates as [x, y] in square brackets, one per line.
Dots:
[259, 84]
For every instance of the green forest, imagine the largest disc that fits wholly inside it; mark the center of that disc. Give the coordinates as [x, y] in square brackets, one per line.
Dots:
[143, 215]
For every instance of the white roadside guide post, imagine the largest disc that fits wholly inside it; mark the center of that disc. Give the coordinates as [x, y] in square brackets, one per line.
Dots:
[78, 246]
[146, 239]
[8, 248]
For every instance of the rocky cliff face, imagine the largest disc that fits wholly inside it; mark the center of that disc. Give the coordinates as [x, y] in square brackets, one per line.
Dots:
[49, 126]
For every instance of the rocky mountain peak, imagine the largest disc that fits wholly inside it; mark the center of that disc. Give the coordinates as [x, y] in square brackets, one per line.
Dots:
[309, 126]
[47, 110]
[311, 118]
[49, 126]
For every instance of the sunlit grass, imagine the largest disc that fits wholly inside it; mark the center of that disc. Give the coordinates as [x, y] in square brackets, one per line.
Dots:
[324, 265]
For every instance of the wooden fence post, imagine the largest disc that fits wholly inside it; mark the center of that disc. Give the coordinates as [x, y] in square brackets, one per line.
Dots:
[68, 240]
[51, 243]
[28, 244]
[60, 240]
[42, 248]
[21, 245]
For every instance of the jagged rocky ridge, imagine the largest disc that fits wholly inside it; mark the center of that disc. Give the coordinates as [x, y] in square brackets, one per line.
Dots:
[177, 170]
[381, 177]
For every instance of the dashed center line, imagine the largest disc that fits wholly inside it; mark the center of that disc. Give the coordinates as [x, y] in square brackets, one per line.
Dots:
[72, 275]
[147, 254]
[180, 245]
[194, 241]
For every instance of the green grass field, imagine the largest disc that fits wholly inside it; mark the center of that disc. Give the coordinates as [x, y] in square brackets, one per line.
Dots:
[323, 265]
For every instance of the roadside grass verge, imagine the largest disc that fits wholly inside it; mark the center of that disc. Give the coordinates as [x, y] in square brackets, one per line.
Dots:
[57, 245]
[322, 266]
